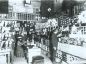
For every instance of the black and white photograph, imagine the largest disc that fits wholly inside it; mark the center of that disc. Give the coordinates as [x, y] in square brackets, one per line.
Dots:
[42, 31]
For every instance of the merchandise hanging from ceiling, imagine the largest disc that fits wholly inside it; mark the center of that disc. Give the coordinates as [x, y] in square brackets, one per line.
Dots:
[47, 8]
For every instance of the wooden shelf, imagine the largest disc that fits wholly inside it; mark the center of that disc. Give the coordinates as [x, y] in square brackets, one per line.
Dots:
[77, 51]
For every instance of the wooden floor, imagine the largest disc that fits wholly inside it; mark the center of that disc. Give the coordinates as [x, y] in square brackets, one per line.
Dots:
[19, 60]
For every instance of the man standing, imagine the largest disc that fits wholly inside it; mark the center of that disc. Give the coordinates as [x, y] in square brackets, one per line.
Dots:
[25, 50]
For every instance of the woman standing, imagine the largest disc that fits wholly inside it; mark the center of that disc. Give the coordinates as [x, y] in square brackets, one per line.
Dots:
[20, 52]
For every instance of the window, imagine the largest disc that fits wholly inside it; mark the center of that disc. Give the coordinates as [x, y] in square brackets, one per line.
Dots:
[4, 6]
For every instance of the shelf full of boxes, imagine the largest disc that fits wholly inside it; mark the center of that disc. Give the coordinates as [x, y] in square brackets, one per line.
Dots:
[6, 39]
[42, 31]
[7, 29]
[40, 39]
[71, 48]
[8, 26]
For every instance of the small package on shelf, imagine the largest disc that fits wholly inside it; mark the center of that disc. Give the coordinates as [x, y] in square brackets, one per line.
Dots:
[46, 48]
[59, 54]
[84, 44]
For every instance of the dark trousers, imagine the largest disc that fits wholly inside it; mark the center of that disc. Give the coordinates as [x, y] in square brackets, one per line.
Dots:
[26, 55]
[25, 52]
[15, 49]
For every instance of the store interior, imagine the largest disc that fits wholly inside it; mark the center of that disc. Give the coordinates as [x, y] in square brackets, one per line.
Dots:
[43, 32]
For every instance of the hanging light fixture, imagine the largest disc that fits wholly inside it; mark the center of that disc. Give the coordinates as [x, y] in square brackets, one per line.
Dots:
[28, 1]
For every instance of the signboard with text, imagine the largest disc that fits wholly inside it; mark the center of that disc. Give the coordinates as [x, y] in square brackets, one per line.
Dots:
[23, 9]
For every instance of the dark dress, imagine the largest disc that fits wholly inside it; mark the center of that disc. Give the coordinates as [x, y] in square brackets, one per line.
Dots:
[20, 52]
